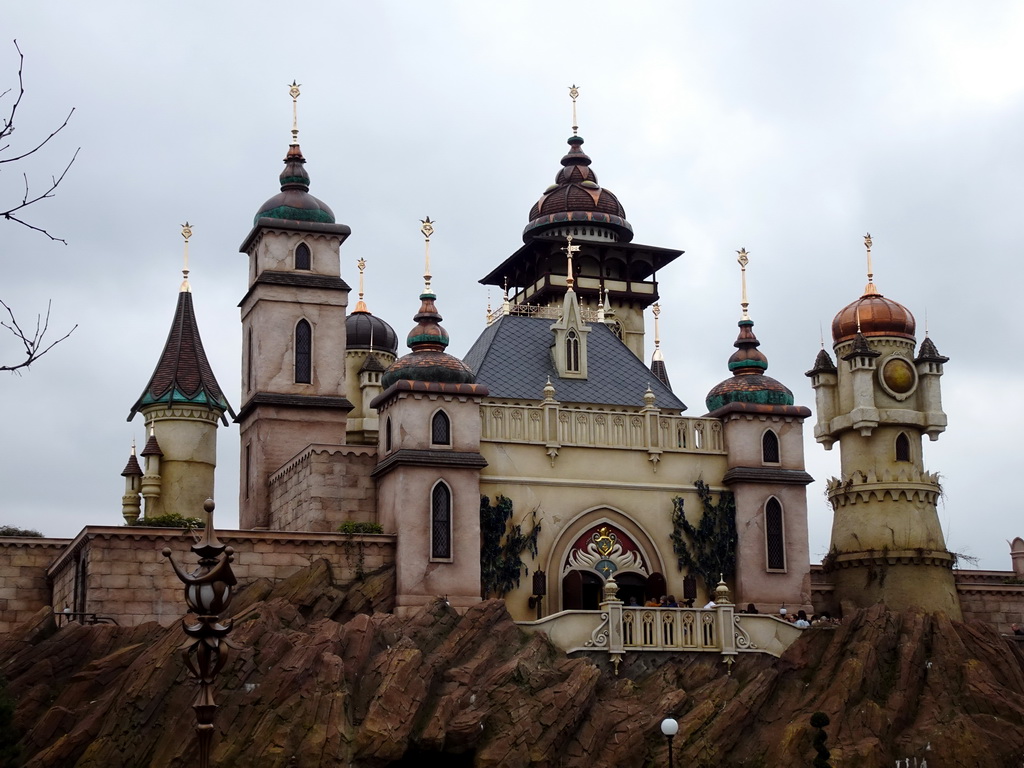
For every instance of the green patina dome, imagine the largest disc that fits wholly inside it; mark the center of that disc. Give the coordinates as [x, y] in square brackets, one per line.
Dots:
[294, 202]
[748, 383]
[428, 361]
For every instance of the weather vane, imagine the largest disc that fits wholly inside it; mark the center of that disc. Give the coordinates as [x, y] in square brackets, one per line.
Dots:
[574, 93]
[570, 249]
[743, 258]
[186, 232]
[293, 91]
[427, 229]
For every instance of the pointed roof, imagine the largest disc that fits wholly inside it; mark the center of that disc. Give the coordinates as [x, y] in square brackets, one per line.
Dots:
[748, 383]
[929, 353]
[659, 369]
[183, 374]
[132, 467]
[822, 364]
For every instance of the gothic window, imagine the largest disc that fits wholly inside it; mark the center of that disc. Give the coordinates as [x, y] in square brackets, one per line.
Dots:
[302, 257]
[440, 429]
[441, 522]
[774, 535]
[572, 352]
[303, 353]
[770, 447]
[616, 328]
[387, 435]
[902, 447]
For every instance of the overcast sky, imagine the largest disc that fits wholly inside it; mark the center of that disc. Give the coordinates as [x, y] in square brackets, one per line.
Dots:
[787, 128]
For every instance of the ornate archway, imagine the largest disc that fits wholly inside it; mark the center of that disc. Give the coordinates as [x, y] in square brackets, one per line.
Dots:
[601, 551]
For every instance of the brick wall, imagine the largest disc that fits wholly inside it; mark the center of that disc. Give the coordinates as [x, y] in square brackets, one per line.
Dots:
[127, 578]
[988, 596]
[23, 586]
[324, 486]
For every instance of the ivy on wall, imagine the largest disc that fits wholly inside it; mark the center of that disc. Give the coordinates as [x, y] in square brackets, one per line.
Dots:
[708, 549]
[502, 546]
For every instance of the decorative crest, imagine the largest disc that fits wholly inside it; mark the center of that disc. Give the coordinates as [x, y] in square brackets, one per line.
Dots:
[186, 232]
[427, 229]
[570, 249]
[293, 91]
[574, 93]
[743, 259]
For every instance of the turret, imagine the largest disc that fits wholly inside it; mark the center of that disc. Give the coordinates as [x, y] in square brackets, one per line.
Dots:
[130, 502]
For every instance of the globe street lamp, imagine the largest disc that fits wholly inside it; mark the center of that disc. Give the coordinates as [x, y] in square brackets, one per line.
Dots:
[670, 728]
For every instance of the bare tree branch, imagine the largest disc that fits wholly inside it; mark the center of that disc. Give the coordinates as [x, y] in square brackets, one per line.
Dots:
[34, 343]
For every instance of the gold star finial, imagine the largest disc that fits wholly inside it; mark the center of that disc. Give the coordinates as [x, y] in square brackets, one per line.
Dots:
[186, 232]
[427, 229]
[743, 258]
[574, 93]
[569, 249]
[293, 91]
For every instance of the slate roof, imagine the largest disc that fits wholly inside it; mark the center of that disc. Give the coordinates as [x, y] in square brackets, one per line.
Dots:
[512, 358]
[183, 373]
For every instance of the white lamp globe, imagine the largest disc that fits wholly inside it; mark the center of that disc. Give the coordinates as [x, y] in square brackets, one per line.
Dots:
[669, 727]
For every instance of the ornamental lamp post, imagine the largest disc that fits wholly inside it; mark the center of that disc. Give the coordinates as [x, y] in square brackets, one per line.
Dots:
[670, 728]
[208, 592]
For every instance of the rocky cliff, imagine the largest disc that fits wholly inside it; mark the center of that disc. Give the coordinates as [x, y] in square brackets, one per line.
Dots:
[329, 678]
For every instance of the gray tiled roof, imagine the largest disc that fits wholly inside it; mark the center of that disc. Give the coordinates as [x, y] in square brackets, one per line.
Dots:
[512, 358]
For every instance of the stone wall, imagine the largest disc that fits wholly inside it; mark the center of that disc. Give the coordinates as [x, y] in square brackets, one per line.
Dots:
[127, 578]
[23, 587]
[324, 486]
[987, 596]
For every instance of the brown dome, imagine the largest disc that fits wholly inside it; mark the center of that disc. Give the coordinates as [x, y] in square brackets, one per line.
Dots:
[876, 316]
[576, 197]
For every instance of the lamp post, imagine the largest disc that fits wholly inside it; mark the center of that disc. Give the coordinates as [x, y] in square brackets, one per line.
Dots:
[670, 728]
[208, 591]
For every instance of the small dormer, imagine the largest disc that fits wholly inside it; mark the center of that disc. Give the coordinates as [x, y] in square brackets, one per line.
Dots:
[569, 347]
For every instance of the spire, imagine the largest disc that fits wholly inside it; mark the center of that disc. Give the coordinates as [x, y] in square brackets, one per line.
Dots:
[658, 367]
[574, 93]
[183, 373]
[748, 360]
[427, 229]
[132, 467]
[743, 259]
[870, 288]
[186, 232]
[569, 249]
[294, 176]
[428, 333]
[361, 305]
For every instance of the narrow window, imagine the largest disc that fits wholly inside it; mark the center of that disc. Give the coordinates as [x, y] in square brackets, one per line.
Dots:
[775, 539]
[441, 522]
[440, 429]
[902, 447]
[302, 256]
[248, 361]
[303, 353]
[770, 447]
[572, 352]
[387, 435]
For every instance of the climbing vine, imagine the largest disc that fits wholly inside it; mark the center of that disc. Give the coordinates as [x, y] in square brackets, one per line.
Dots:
[709, 548]
[502, 546]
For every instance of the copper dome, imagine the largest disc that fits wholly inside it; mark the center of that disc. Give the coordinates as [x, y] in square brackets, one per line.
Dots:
[748, 384]
[294, 202]
[873, 315]
[576, 197]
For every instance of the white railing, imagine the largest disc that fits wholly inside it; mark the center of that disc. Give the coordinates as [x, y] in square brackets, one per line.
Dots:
[619, 629]
[553, 425]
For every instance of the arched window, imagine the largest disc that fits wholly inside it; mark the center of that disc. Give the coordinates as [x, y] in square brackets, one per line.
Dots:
[303, 353]
[387, 435]
[248, 361]
[770, 447]
[775, 538]
[902, 447]
[441, 522]
[572, 352]
[440, 429]
[302, 257]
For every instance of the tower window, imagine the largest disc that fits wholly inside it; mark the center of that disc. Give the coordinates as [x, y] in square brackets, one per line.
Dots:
[441, 429]
[774, 535]
[572, 352]
[770, 447]
[441, 522]
[248, 360]
[302, 257]
[303, 353]
[902, 447]
[387, 435]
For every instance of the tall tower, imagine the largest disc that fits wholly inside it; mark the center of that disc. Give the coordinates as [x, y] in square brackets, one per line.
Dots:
[878, 403]
[181, 405]
[764, 439]
[293, 334]
[614, 277]
[428, 473]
